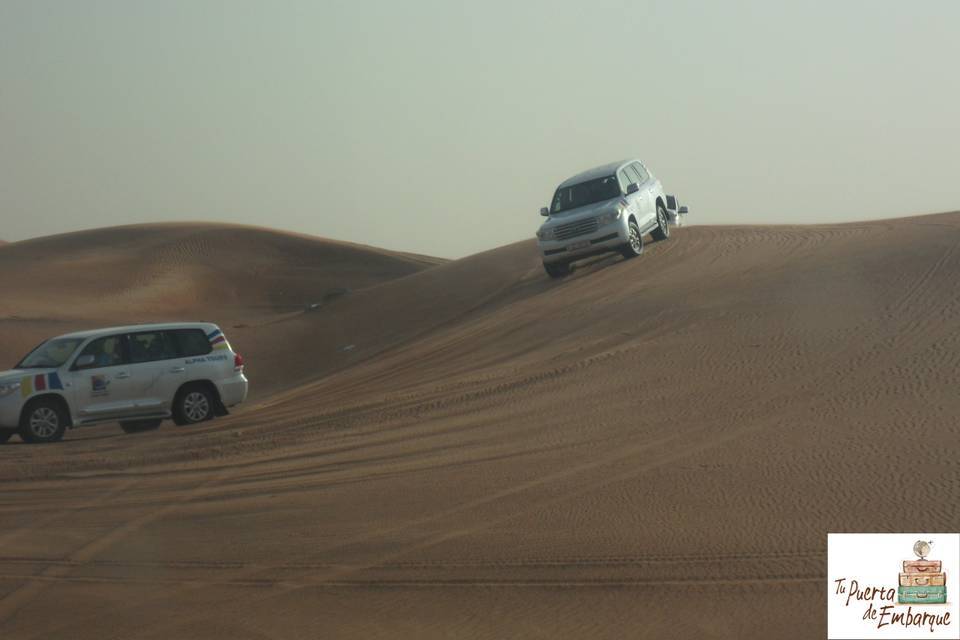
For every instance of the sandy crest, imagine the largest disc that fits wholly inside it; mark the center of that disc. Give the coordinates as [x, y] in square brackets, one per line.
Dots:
[650, 448]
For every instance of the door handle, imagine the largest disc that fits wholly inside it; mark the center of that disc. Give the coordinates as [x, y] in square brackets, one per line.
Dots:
[177, 370]
[122, 375]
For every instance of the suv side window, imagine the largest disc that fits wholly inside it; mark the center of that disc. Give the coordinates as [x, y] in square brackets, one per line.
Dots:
[641, 172]
[632, 173]
[106, 352]
[190, 342]
[625, 179]
[151, 346]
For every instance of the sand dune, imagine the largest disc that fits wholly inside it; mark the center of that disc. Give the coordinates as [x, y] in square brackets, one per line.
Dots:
[237, 276]
[649, 448]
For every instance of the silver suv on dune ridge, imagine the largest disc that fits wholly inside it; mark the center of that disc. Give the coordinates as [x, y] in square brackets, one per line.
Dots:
[605, 209]
[136, 375]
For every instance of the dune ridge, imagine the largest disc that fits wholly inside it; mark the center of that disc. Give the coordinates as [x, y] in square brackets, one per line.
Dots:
[230, 274]
[649, 448]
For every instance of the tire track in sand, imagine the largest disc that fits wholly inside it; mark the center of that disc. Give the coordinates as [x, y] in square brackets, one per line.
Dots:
[665, 446]
[8, 537]
[20, 597]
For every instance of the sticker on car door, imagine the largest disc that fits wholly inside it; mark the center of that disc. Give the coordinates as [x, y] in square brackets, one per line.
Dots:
[98, 385]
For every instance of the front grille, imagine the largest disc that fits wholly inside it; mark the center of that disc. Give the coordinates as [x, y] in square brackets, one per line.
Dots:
[574, 229]
[603, 238]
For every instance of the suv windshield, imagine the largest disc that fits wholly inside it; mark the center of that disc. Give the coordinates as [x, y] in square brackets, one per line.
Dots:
[584, 193]
[51, 354]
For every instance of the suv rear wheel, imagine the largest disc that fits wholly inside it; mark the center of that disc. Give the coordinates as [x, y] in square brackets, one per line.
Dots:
[662, 232]
[193, 404]
[43, 421]
[139, 426]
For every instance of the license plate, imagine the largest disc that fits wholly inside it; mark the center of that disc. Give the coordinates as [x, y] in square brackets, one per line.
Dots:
[576, 246]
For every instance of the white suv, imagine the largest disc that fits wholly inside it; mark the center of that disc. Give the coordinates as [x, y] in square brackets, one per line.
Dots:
[137, 376]
[608, 208]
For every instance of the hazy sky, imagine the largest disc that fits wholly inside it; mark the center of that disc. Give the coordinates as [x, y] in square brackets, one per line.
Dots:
[443, 127]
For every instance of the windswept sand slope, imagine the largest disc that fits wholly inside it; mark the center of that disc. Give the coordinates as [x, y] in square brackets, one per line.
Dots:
[240, 277]
[650, 448]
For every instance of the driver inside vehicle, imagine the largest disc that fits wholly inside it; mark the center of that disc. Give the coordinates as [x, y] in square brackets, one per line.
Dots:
[106, 351]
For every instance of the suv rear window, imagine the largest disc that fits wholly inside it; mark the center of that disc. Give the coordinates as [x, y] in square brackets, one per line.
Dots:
[641, 172]
[150, 346]
[191, 342]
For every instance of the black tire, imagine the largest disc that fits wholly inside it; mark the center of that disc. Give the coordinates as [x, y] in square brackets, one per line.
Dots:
[557, 269]
[193, 404]
[634, 246]
[662, 230]
[43, 421]
[4, 436]
[139, 426]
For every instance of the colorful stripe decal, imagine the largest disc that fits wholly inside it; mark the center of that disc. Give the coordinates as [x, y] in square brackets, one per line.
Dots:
[218, 340]
[41, 382]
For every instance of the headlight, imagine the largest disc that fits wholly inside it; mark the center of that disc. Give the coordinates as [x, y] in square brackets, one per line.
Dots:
[6, 388]
[545, 234]
[610, 216]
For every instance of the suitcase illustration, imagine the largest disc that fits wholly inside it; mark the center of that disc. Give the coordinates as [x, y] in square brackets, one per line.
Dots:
[921, 566]
[923, 579]
[922, 595]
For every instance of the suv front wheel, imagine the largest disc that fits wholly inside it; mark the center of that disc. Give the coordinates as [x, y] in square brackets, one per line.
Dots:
[193, 404]
[634, 246]
[43, 421]
[557, 269]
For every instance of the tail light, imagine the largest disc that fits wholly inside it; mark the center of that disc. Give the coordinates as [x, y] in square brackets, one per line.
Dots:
[237, 362]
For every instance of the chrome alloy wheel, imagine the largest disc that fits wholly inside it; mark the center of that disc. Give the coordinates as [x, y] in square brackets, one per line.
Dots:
[44, 422]
[635, 242]
[196, 406]
[662, 221]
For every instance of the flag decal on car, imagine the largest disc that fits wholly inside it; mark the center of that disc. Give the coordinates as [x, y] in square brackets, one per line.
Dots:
[217, 339]
[39, 382]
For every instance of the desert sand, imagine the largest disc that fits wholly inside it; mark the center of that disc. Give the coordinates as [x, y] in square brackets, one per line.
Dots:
[649, 448]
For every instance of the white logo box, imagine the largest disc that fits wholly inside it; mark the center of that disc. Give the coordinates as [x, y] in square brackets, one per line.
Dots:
[863, 572]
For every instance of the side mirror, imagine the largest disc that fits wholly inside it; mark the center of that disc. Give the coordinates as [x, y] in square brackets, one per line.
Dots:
[544, 212]
[84, 361]
[682, 210]
[633, 187]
